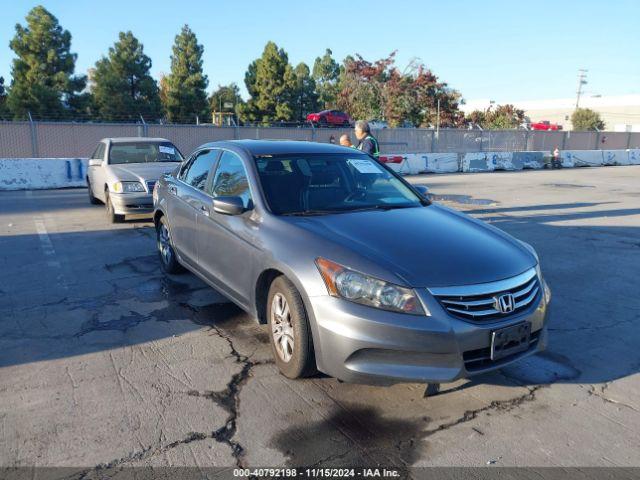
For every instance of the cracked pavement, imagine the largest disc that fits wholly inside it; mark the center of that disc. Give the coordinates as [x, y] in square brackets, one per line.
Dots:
[105, 362]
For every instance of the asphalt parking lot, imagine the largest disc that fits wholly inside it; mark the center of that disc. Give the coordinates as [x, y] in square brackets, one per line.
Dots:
[106, 361]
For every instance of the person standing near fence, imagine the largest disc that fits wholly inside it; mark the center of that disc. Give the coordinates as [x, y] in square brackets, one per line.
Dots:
[555, 158]
[366, 142]
[345, 141]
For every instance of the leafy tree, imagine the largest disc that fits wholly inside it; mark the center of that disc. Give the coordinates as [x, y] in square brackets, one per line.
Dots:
[586, 119]
[326, 73]
[362, 86]
[271, 82]
[305, 99]
[226, 94]
[121, 84]
[476, 117]
[185, 97]
[503, 117]
[427, 90]
[43, 70]
[379, 90]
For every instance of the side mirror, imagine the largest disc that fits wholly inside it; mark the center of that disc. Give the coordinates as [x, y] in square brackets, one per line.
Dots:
[228, 205]
[95, 162]
[422, 190]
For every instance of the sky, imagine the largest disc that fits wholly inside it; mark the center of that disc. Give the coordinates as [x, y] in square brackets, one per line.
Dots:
[489, 49]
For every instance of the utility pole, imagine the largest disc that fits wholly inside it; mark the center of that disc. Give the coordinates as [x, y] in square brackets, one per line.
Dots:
[582, 80]
[438, 121]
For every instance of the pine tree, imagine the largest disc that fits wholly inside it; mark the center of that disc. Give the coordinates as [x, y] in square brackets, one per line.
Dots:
[3, 100]
[306, 99]
[271, 82]
[186, 96]
[326, 73]
[121, 84]
[43, 80]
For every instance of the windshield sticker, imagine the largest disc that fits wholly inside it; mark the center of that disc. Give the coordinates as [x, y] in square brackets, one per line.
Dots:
[169, 150]
[364, 166]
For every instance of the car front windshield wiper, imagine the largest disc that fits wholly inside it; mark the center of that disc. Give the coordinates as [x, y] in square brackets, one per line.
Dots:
[305, 213]
[381, 207]
[309, 213]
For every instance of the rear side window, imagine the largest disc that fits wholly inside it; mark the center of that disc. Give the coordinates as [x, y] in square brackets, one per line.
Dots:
[198, 171]
[231, 179]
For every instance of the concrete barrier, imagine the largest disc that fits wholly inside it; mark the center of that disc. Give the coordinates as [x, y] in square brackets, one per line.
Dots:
[477, 162]
[534, 160]
[581, 158]
[503, 161]
[615, 157]
[41, 173]
[414, 163]
[441, 163]
[634, 156]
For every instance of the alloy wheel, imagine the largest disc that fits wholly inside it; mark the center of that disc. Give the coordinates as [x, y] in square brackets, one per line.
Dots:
[281, 327]
[164, 244]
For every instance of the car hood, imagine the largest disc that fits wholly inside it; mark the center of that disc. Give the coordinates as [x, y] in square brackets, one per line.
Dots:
[142, 171]
[425, 247]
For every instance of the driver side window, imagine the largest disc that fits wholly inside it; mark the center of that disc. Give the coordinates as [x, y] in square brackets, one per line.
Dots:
[98, 154]
[197, 171]
[231, 179]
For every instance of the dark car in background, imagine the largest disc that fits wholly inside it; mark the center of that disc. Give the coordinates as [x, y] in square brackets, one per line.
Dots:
[354, 270]
[329, 118]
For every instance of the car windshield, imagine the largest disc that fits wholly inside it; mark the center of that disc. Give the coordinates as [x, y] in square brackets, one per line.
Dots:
[143, 152]
[315, 184]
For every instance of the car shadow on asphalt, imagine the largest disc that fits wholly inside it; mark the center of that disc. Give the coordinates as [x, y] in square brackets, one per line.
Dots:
[98, 305]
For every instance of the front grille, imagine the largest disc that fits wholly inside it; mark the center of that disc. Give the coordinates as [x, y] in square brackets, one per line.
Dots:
[150, 186]
[481, 358]
[481, 305]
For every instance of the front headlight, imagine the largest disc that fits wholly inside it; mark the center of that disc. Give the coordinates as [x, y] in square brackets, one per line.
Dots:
[545, 287]
[128, 187]
[359, 288]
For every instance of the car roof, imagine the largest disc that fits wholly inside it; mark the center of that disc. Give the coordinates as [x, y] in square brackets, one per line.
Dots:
[281, 147]
[135, 139]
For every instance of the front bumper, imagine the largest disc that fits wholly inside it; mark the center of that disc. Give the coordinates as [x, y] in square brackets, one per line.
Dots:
[132, 203]
[360, 344]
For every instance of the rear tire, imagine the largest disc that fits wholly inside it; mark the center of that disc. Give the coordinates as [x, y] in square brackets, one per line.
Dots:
[290, 333]
[112, 216]
[92, 200]
[167, 253]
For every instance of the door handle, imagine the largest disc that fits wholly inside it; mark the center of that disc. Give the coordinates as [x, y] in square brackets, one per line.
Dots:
[172, 189]
[204, 210]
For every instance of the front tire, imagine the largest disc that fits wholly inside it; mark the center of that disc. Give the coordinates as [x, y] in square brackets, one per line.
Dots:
[92, 200]
[290, 333]
[111, 214]
[167, 253]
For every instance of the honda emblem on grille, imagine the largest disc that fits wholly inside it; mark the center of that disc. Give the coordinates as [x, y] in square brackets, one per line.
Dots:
[505, 303]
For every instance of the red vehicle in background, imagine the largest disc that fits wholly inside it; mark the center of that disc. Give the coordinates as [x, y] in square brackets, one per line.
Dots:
[545, 125]
[329, 118]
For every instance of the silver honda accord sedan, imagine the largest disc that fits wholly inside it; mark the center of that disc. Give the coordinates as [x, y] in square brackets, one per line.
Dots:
[355, 271]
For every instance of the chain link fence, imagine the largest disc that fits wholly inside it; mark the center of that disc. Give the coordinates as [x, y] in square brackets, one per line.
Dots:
[65, 140]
